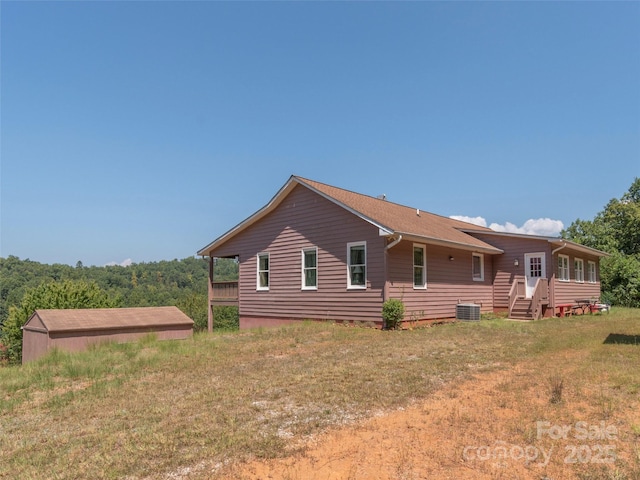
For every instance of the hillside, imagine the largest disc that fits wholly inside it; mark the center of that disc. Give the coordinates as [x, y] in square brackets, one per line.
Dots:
[319, 400]
[176, 282]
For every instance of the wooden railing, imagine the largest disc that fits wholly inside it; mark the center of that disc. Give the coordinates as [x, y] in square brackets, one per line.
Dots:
[518, 290]
[223, 292]
[540, 297]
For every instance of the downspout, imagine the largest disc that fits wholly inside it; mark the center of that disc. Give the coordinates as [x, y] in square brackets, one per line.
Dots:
[564, 244]
[394, 243]
[553, 290]
[385, 295]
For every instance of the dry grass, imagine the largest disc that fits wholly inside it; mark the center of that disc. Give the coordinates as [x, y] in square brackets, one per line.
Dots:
[190, 409]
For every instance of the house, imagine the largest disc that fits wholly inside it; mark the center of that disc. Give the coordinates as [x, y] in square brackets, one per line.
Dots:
[320, 252]
[75, 329]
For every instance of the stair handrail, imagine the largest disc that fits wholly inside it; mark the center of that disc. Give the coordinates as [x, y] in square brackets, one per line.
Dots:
[540, 294]
[516, 291]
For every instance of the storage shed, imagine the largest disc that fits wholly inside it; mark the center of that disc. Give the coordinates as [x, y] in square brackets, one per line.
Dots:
[74, 329]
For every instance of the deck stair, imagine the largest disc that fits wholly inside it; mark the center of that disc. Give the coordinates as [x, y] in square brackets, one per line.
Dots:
[522, 309]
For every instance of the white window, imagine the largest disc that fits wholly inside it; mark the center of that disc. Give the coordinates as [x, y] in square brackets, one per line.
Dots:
[591, 271]
[578, 267]
[357, 265]
[477, 267]
[563, 268]
[310, 269]
[263, 271]
[419, 267]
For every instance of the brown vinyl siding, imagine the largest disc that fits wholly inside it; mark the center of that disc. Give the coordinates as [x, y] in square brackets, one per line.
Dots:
[504, 270]
[449, 282]
[569, 292]
[305, 220]
[560, 291]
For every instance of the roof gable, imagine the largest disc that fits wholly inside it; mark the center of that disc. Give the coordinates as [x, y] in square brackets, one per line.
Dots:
[83, 319]
[391, 218]
[399, 219]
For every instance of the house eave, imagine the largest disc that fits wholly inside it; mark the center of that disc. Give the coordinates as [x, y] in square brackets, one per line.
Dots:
[576, 246]
[449, 243]
[557, 241]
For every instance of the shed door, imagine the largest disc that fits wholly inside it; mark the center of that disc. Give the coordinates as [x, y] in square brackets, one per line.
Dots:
[534, 268]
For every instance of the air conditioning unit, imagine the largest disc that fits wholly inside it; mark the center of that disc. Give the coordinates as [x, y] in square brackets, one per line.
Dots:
[467, 311]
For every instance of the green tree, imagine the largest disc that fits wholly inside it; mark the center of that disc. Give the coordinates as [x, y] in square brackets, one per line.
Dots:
[615, 230]
[137, 285]
[63, 294]
[192, 306]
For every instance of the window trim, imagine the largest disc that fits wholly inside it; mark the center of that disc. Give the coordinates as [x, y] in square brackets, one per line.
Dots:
[576, 262]
[304, 268]
[481, 277]
[258, 271]
[350, 245]
[562, 269]
[592, 275]
[423, 286]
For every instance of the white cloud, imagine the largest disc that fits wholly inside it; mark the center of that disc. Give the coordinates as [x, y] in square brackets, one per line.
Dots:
[124, 263]
[534, 226]
[475, 220]
[546, 227]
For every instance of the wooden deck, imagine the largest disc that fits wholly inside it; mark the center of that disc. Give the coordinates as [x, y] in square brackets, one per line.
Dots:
[223, 293]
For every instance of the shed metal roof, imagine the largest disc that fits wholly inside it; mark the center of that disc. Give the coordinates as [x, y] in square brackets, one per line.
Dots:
[87, 319]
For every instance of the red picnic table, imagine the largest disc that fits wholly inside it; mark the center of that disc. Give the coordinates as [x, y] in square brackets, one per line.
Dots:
[564, 307]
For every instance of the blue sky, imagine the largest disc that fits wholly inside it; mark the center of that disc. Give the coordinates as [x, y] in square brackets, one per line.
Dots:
[141, 131]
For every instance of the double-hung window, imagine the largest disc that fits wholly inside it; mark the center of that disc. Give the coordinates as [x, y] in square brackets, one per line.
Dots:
[578, 269]
[310, 269]
[262, 279]
[563, 268]
[357, 265]
[477, 267]
[591, 271]
[419, 266]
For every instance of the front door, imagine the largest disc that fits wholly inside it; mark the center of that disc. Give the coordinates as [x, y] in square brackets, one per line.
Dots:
[534, 268]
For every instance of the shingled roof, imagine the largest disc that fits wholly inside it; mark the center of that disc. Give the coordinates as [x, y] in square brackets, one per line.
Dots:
[85, 319]
[391, 218]
[396, 219]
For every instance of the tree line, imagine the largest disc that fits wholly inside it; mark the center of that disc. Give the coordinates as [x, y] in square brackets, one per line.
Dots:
[182, 283]
[615, 230]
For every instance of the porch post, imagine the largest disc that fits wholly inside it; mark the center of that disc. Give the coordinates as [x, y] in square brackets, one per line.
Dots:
[210, 297]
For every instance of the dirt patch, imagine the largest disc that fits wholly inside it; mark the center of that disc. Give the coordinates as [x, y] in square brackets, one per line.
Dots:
[499, 425]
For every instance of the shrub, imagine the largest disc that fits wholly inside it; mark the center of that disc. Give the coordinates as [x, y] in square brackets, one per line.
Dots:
[4, 355]
[392, 313]
[64, 294]
[226, 317]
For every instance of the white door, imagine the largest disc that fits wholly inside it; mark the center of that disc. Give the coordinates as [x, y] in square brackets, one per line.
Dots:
[534, 268]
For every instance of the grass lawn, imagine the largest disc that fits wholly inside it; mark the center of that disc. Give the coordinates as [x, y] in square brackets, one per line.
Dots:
[195, 408]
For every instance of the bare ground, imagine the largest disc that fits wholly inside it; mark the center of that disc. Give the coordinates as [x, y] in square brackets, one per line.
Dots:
[489, 427]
